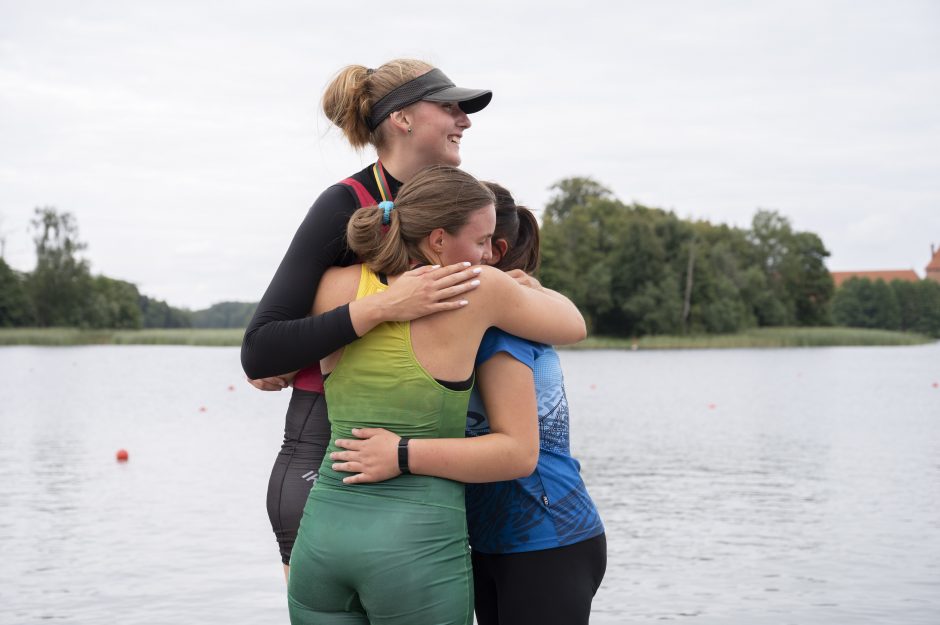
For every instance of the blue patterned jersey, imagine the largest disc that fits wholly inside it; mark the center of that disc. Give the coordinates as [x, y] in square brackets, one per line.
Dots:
[550, 508]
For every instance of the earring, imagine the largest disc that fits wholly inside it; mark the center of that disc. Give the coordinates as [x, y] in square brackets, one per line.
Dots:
[409, 130]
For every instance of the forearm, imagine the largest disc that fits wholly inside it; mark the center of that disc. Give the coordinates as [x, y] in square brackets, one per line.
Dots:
[490, 458]
[282, 336]
[542, 316]
[368, 312]
[281, 346]
[571, 325]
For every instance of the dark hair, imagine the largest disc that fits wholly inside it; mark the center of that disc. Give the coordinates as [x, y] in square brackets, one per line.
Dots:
[518, 227]
[437, 197]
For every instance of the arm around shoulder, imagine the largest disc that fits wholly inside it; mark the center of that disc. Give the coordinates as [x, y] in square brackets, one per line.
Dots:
[534, 314]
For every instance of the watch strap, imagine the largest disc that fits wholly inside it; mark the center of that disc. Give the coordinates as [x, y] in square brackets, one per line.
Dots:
[403, 455]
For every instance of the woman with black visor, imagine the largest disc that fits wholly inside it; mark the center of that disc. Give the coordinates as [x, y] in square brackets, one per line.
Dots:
[413, 116]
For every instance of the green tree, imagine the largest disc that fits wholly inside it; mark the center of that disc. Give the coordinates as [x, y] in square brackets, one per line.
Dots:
[929, 322]
[577, 244]
[572, 192]
[158, 314]
[113, 304]
[918, 306]
[861, 303]
[634, 270]
[795, 270]
[61, 283]
[224, 315]
[15, 307]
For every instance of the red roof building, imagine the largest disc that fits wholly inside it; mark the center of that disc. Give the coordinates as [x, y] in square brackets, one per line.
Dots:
[933, 267]
[907, 275]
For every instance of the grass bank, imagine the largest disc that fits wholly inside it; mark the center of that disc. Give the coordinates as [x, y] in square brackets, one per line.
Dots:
[763, 337]
[226, 337]
[758, 337]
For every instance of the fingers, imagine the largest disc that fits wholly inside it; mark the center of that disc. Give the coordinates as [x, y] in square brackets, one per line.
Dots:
[459, 273]
[360, 478]
[265, 386]
[420, 271]
[454, 291]
[348, 467]
[350, 444]
[268, 384]
[368, 432]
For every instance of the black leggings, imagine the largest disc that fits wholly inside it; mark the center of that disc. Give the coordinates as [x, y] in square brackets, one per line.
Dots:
[306, 436]
[552, 586]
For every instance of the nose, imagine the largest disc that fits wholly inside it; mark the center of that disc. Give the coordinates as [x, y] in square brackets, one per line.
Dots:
[487, 253]
[461, 119]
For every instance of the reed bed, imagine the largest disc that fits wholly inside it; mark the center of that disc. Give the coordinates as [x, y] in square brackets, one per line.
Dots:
[212, 337]
[763, 338]
[232, 337]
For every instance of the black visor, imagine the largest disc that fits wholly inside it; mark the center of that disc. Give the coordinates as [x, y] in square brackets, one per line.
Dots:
[433, 87]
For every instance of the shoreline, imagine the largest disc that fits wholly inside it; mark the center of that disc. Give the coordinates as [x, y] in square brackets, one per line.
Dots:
[756, 338]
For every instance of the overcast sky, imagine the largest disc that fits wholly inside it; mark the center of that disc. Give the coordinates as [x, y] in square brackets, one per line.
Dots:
[186, 137]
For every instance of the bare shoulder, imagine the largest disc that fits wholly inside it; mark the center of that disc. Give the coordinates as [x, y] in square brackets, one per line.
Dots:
[338, 286]
[495, 283]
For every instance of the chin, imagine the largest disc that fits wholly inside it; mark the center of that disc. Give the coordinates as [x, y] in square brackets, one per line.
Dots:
[452, 159]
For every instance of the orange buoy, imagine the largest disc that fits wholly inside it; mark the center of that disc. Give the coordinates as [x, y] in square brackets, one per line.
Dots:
[121, 455]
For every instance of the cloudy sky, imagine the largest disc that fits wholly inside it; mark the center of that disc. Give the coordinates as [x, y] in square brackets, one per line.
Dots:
[187, 140]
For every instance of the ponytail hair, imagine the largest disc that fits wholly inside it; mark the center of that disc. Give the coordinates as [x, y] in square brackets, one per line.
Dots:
[437, 197]
[518, 227]
[348, 99]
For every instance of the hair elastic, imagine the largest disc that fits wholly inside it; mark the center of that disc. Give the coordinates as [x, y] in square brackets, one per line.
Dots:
[386, 207]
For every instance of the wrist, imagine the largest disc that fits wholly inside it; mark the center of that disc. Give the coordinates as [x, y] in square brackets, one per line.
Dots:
[366, 313]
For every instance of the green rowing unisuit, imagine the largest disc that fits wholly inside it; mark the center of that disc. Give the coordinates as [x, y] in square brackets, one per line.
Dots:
[395, 552]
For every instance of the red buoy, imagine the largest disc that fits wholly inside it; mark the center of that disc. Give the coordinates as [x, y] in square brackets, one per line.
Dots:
[712, 406]
[231, 387]
[122, 455]
[202, 408]
[936, 384]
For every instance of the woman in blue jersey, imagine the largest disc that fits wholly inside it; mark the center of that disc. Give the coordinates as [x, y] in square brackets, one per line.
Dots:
[539, 548]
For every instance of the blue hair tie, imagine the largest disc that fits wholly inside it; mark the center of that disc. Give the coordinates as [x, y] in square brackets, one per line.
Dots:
[386, 207]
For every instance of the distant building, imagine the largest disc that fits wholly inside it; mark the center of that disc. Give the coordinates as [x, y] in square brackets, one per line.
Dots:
[933, 268]
[907, 275]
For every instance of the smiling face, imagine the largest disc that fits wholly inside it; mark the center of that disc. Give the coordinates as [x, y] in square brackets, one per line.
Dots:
[472, 242]
[436, 131]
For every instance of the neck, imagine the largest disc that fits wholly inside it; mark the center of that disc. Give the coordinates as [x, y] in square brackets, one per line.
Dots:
[401, 164]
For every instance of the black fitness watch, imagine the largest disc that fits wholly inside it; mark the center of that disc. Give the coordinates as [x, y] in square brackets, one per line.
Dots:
[403, 455]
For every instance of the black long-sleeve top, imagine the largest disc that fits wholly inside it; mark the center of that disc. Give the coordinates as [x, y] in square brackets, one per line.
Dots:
[281, 336]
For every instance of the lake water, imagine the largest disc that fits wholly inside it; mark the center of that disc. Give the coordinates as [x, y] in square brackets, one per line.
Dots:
[738, 487]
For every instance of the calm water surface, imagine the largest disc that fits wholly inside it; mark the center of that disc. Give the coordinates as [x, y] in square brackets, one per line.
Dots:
[737, 487]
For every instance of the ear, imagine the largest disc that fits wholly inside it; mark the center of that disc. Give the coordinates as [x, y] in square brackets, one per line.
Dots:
[436, 240]
[400, 120]
[500, 247]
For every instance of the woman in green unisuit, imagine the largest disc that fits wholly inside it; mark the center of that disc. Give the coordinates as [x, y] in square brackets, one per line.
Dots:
[396, 552]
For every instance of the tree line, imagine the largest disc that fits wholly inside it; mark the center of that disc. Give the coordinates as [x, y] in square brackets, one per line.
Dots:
[895, 305]
[635, 270]
[62, 292]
